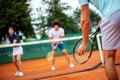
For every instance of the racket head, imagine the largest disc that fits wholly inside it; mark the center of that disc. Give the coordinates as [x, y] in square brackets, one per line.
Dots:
[84, 58]
[49, 56]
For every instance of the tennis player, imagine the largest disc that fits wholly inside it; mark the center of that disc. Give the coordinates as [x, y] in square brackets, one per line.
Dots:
[110, 27]
[57, 32]
[17, 51]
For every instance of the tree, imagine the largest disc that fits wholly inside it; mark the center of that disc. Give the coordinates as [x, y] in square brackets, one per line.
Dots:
[55, 10]
[95, 18]
[15, 13]
[76, 15]
[41, 27]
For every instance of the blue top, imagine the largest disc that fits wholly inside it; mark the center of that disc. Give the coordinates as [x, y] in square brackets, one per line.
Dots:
[106, 7]
[13, 37]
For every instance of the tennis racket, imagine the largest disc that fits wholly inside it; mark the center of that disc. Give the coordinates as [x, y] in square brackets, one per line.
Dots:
[84, 58]
[49, 56]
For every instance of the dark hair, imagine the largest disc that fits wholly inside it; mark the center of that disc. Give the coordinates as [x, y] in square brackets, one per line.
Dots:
[10, 28]
[56, 22]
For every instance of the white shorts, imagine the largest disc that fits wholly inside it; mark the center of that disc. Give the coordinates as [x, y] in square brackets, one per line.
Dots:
[111, 32]
[17, 50]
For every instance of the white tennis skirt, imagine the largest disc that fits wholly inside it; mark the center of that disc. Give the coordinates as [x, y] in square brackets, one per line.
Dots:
[111, 32]
[17, 50]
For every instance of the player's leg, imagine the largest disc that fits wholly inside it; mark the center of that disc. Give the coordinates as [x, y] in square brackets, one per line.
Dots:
[19, 64]
[53, 52]
[63, 49]
[111, 42]
[15, 63]
[17, 54]
[110, 69]
[15, 57]
[67, 58]
[53, 59]
[66, 54]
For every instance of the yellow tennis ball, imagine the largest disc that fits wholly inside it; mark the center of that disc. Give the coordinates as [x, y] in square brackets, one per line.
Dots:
[49, 56]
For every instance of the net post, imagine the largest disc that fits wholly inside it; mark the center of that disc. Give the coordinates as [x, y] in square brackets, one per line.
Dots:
[100, 48]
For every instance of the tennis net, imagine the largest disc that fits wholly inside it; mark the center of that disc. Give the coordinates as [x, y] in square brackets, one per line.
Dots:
[36, 49]
[37, 67]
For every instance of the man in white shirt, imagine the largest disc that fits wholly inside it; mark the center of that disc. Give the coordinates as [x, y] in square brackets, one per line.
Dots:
[57, 33]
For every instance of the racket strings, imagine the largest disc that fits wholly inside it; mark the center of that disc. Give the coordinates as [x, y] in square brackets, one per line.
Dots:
[82, 58]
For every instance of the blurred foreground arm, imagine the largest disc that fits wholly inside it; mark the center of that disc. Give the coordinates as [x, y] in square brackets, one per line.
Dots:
[85, 25]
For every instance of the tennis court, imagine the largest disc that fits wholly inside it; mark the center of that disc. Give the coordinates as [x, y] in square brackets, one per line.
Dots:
[39, 69]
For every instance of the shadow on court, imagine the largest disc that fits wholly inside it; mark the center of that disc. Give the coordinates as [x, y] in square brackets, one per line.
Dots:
[40, 69]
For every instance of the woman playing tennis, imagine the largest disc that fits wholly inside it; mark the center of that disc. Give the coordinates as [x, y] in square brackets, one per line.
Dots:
[17, 51]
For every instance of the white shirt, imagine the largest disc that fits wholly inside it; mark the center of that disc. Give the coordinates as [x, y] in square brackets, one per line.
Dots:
[56, 34]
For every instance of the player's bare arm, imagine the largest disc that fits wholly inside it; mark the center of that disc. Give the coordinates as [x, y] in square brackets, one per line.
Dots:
[14, 41]
[85, 25]
[52, 43]
[58, 42]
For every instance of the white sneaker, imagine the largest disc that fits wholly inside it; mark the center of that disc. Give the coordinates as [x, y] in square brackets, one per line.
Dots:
[17, 73]
[53, 68]
[20, 74]
[71, 65]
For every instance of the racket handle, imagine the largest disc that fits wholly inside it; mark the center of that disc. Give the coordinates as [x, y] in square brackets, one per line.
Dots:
[98, 29]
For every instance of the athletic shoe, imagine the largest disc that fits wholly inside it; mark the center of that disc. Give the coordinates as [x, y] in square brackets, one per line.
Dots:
[20, 74]
[17, 73]
[53, 68]
[71, 65]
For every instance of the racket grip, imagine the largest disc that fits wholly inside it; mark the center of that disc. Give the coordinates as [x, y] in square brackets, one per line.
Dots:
[54, 49]
[98, 29]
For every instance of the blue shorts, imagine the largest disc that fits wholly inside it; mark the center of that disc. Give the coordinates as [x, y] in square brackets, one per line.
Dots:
[61, 46]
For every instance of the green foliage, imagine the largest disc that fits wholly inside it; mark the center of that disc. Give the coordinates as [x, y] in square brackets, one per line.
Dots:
[76, 15]
[55, 10]
[15, 13]
[42, 27]
[95, 18]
